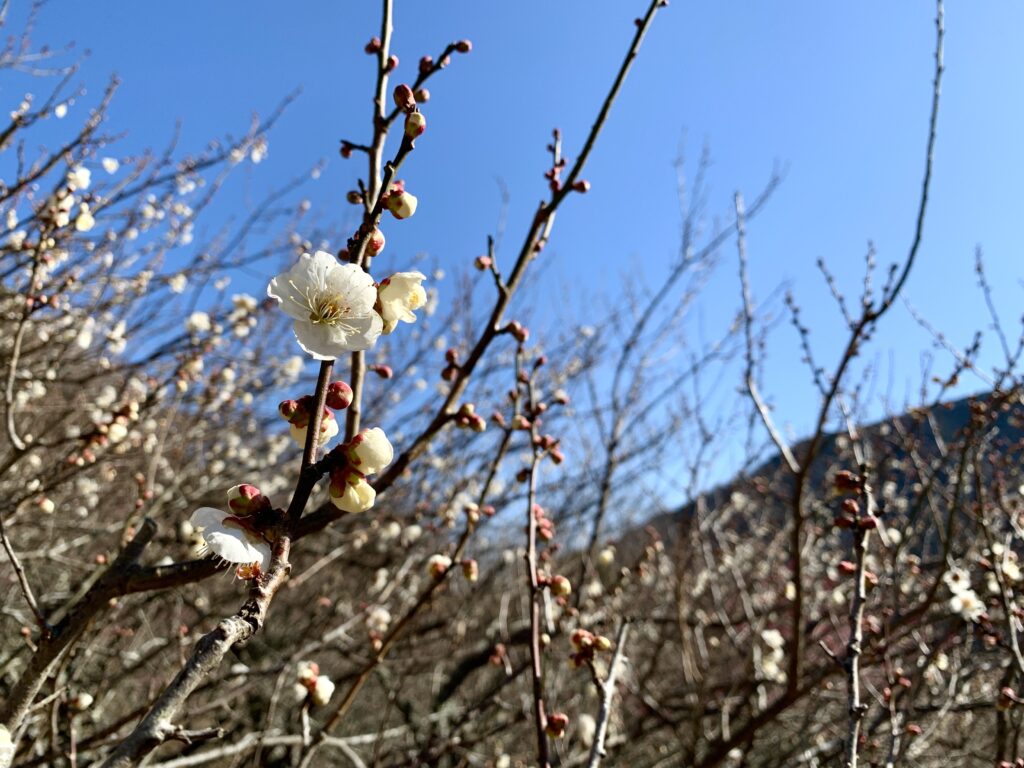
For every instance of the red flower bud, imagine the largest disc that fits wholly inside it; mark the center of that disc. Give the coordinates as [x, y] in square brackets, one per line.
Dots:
[464, 46]
[581, 186]
[404, 98]
[426, 64]
[375, 242]
[339, 395]
[556, 724]
[374, 45]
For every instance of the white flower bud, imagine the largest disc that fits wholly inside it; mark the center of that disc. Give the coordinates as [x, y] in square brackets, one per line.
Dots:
[323, 689]
[370, 451]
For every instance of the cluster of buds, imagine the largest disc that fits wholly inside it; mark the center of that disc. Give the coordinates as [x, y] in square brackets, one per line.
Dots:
[519, 331]
[556, 724]
[587, 644]
[106, 434]
[311, 685]
[553, 175]
[367, 453]
[850, 514]
[468, 418]
[551, 446]
[298, 414]
[545, 526]
[402, 204]
[451, 370]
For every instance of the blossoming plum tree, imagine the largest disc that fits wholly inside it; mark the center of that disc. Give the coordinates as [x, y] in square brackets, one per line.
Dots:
[477, 559]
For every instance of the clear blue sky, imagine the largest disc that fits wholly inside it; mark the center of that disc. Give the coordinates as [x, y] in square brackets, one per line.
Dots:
[837, 93]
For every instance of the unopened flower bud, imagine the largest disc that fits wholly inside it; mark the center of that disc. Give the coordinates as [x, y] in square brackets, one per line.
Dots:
[483, 262]
[426, 64]
[464, 46]
[520, 332]
[415, 124]
[374, 45]
[354, 197]
[339, 395]
[384, 371]
[80, 702]
[521, 422]
[404, 98]
[401, 204]
[581, 186]
[307, 672]
[289, 409]
[422, 95]
[392, 64]
[375, 242]
[370, 451]
[845, 481]
[560, 586]
[350, 492]
[346, 149]
[322, 691]
[246, 499]
[556, 724]
[471, 570]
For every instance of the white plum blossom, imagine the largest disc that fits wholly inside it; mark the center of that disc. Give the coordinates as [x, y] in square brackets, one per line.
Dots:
[79, 177]
[438, 565]
[198, 322]
[957, 580]
[110, 164]
[84, 221]
[178, 283]
[378, 619]
[331, 304]
[400, 295]
[293, 366]
[967, 604]
[228, 537]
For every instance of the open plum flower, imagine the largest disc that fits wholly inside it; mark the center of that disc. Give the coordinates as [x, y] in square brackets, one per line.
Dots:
[399, 296]
[232, 536]
[331, 305]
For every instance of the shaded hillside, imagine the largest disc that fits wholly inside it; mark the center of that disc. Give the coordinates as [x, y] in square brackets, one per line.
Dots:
[916, 439]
